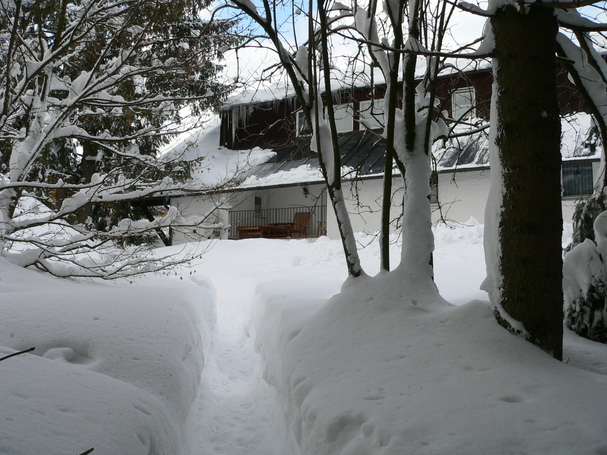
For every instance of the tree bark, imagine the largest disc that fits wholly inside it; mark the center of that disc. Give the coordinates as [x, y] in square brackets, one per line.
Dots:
[334, 186]
[527, 137]
[89, 167]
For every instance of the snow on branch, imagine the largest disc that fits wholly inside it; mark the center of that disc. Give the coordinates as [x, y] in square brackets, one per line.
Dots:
[474, 9]
[89, 93]
[572, 20]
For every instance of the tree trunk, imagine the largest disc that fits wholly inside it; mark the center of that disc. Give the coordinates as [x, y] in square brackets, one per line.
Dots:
[528, 288]
[333, 172]
[89, 167]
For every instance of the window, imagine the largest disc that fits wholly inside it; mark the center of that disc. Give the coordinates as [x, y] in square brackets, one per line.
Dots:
[371, 114]
[577, 178]
[344, 120]
[463, 101]
[303, 129]
[257, 204]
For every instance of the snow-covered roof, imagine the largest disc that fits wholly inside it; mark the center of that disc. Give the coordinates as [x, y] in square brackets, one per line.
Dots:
[272, 92]
[362, 155]
[260, 94]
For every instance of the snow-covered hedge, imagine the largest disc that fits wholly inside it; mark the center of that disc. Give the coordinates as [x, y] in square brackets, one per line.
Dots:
[585, 284]
[116, 368]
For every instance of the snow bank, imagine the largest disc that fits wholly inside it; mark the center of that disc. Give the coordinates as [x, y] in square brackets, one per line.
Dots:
[373, 372]
[116, 368]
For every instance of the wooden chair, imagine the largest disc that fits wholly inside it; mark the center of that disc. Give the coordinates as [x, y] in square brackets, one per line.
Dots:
[299, 226]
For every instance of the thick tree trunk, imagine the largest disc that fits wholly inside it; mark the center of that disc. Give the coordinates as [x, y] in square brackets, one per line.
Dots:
[527, 136]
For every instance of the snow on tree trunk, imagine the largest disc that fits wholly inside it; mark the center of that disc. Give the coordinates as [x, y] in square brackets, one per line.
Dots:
[410, 145]
[7, 206]
[418, 240]
[322, 142]
[23, 156]
[524, 221]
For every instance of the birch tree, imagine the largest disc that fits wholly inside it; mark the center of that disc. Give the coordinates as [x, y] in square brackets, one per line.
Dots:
[308, 68]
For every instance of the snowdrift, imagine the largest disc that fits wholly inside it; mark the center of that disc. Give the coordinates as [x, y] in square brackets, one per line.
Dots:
[373, 372]
[116, 368]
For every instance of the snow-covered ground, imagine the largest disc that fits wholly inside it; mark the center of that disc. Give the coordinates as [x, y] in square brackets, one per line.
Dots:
[115, 368]
[264, 361]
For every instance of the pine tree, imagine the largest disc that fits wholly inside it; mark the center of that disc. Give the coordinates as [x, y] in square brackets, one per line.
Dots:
[161, 32]
[89, 93]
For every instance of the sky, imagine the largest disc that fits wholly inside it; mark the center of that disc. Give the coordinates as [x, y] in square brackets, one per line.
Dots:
[247, 65]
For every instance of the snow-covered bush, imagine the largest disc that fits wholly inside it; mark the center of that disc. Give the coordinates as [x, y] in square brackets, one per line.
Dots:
[585, 285]
[586, 211]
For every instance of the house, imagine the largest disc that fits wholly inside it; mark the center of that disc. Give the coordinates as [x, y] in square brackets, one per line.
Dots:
[274, 193]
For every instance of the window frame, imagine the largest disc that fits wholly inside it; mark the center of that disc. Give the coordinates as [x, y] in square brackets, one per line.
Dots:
[344, 123]
[577, 178]
[369, 113]
[340, 122]
[301, 127]
[467, 110]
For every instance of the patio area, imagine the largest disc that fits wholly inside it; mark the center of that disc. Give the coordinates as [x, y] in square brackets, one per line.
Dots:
[291, 222]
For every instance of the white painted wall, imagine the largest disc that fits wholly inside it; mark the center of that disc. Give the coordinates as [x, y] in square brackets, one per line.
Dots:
[363, 200]
[459, 200]
[292, 196]
[462, 195]
[200, 206]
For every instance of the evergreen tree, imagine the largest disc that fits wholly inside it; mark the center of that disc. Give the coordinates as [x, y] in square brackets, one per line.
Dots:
[90, 90]
[169, 34]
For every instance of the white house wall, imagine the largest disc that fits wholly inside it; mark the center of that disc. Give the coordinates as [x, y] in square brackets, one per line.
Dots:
[363, 200]
[284, 197]
[201, 206]
[462, 195]
[460, 199]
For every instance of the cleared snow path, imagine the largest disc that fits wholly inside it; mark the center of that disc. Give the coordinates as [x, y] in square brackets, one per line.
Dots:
[239, 413]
